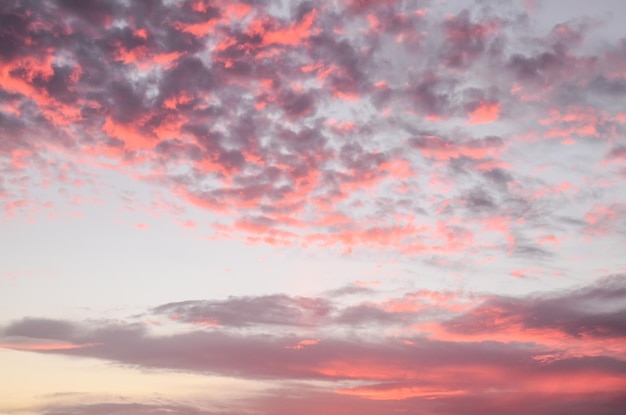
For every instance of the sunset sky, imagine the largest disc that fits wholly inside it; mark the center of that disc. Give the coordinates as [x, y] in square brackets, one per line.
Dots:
[273, 207]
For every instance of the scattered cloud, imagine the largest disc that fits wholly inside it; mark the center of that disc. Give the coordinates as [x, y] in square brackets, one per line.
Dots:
[232, 108]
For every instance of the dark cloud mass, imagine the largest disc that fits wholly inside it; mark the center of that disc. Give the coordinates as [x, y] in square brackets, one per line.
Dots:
[460, 351]
[595, 311]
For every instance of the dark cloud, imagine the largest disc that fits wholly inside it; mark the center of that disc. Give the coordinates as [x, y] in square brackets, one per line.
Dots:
[617, 153]
[595, 311]
[522, 344]
[430, 94]
[352, 289]
[312, 401]
[361, 6]
[41, 328]
[242, 311]
[297, 105]
[262, 356]
[95, 12]
[13, 34]
[368, 315]
[123, 409]
[189, 75]
[528, 250]
[479, 201]
[499, 177]
[464, 40]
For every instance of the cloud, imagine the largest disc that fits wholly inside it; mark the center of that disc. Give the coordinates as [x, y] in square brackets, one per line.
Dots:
[310, 400]
[278, 120]
[465, 40]
[475, 139]
[594, 311]
[417, 350]
[275, 309]
[267, 356]
[577, 330]
[123, 409]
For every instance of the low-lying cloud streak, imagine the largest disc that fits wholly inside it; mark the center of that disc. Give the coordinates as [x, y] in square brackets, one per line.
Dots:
[543, 347]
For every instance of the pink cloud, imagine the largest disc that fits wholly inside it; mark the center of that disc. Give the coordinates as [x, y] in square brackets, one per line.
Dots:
[291, 35]
[304, 343]
[452, 345]
[604, 219]
[233, 108]
[485, 113]
[42, 346]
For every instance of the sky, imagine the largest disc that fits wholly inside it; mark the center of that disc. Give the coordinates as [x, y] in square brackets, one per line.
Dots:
[267, 207]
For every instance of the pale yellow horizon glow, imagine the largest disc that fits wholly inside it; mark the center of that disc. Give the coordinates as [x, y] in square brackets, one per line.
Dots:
[42, 380]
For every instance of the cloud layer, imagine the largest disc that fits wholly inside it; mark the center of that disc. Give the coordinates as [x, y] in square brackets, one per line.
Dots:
[420, 351]
[339, 124]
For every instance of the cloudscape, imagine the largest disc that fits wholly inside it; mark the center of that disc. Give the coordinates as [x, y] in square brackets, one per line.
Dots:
[268, 207]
